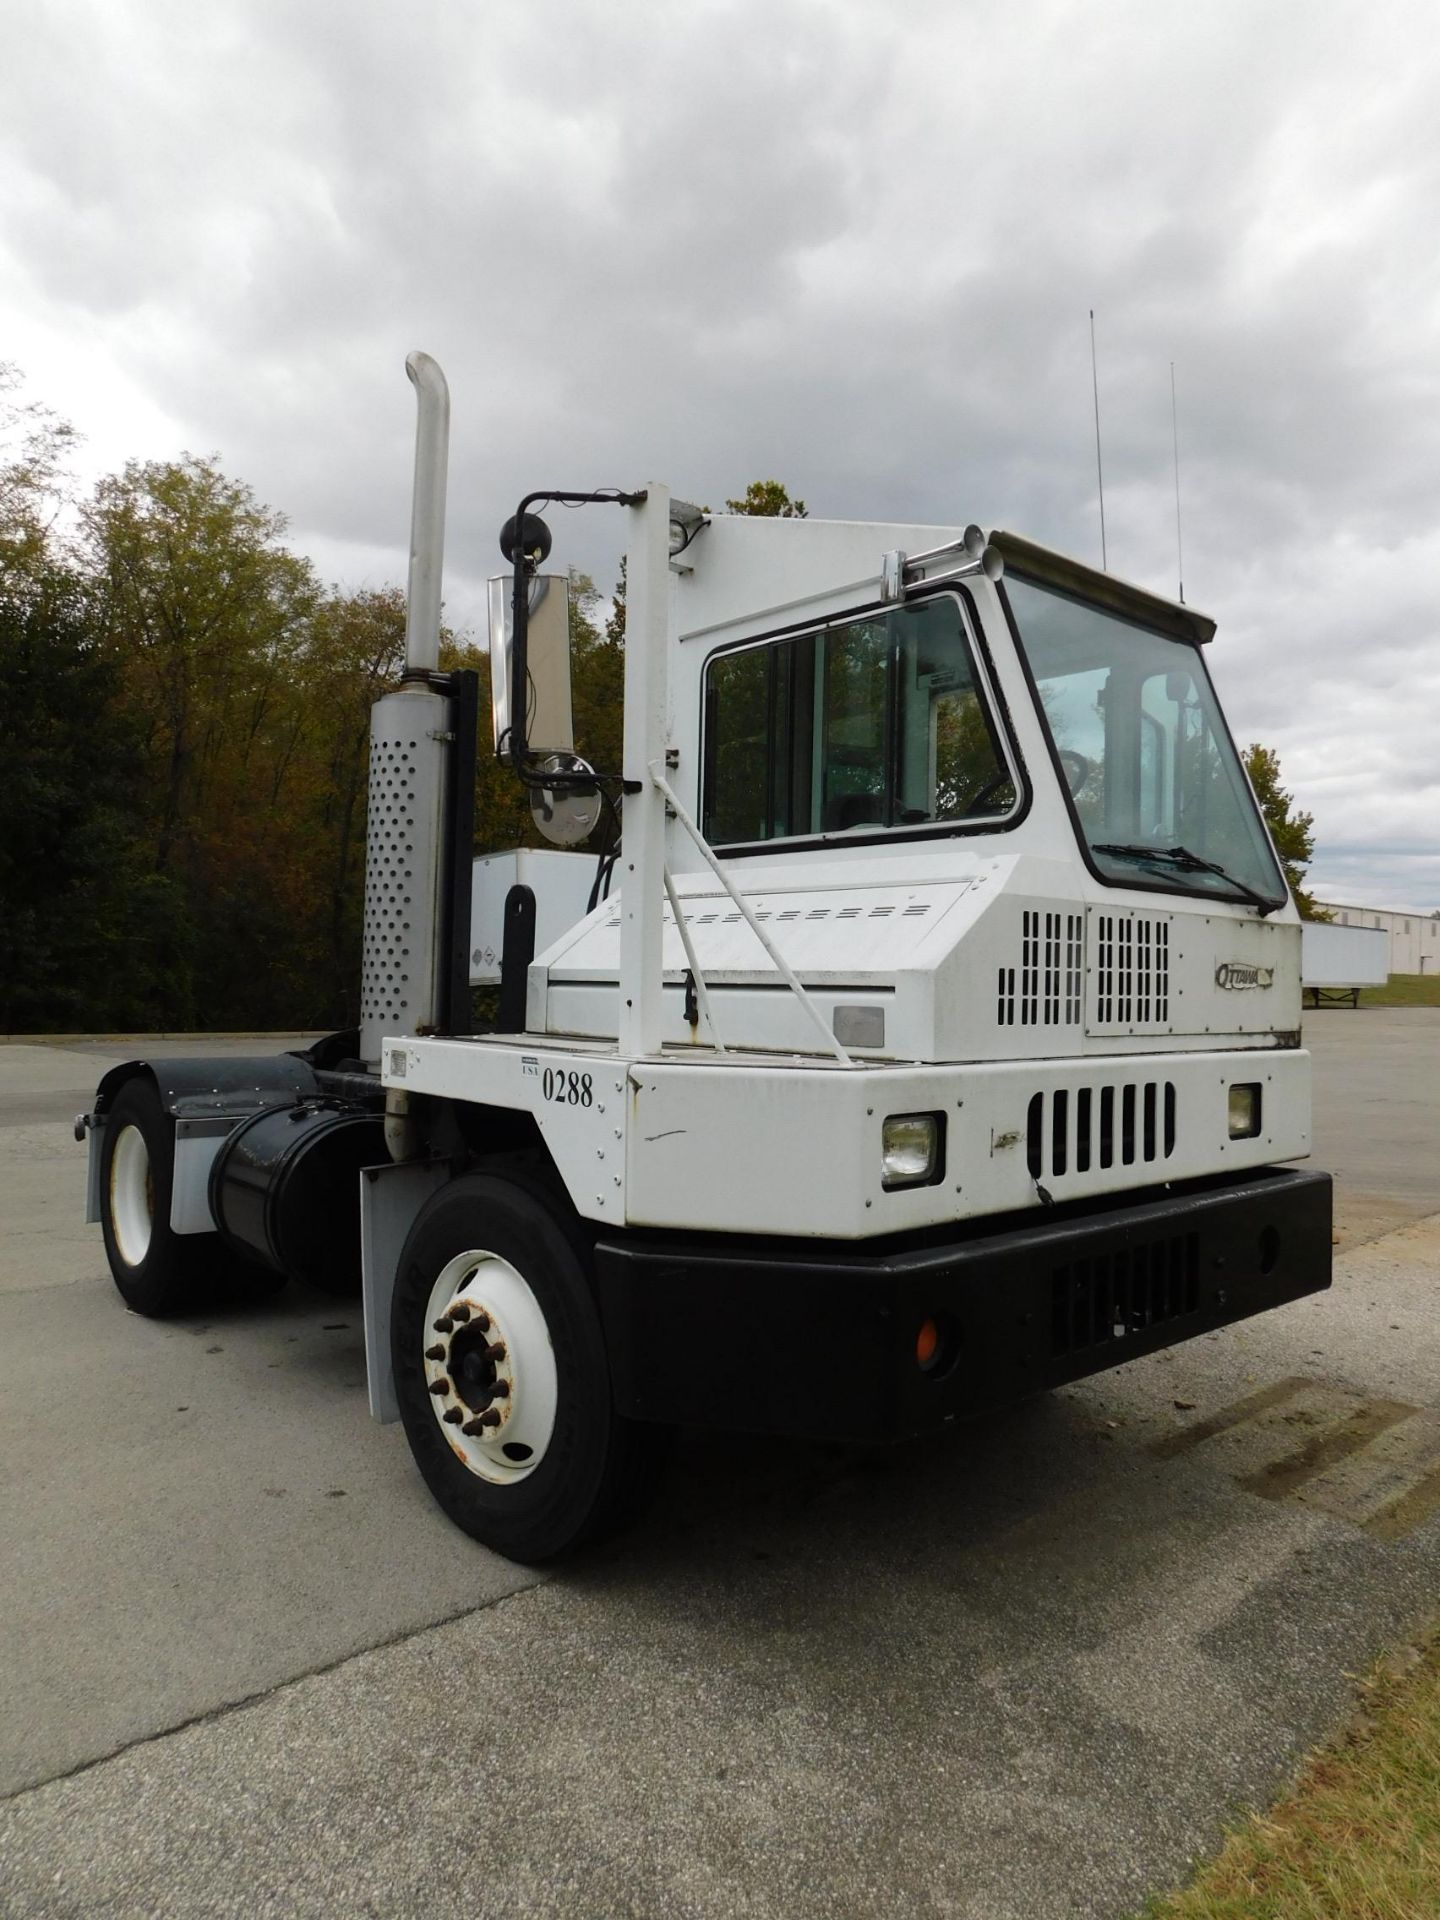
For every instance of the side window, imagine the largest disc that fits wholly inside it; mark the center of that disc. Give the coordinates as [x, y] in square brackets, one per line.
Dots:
[737, 729]
[853, 758]
[875, 723]
[951, 765]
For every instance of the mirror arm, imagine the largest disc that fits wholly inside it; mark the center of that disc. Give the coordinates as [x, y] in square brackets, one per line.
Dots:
[519, 749]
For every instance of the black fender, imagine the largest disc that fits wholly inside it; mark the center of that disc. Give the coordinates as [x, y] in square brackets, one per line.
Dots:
[219, 1090]
[230, 1084]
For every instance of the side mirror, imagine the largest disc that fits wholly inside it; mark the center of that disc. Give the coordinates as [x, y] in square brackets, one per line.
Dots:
[548, 723]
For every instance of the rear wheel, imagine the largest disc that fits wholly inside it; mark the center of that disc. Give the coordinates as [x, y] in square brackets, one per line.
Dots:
[501, 1374]
[158, 1271]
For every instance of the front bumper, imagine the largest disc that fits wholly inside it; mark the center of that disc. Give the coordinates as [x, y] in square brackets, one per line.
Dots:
[820, 1338]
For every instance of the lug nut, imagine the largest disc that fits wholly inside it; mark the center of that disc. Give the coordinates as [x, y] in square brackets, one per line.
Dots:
[500, 1390]
[482, 1321]
[489, 1418]
[460, 1314]
[437, 1352]
[444, 1323]
[439, 1386]
[496, 1350]
[453, 1415]
[474, 1428]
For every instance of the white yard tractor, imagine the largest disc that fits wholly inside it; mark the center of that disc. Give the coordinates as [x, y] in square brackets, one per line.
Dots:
[927, 1034]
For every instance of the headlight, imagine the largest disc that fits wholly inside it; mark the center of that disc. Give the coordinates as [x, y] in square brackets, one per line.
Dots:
[1244, 1111]
[910, 1150]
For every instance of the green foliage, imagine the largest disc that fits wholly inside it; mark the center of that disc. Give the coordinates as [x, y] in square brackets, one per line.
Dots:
[768, 500]
[1291, 830]
[212, 621]
[35, 445]
[85, 923]
[597, 675]
[615, 622]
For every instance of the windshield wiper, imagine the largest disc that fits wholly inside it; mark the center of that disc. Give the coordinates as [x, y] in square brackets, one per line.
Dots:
[1189, 862]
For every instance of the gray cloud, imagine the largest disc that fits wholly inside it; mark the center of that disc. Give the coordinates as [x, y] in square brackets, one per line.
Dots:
[850, 248]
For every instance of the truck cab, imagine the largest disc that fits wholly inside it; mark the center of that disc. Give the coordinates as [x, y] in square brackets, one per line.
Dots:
[930, 1036]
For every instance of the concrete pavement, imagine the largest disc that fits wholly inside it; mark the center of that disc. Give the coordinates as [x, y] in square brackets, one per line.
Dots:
[1377, 1113]
[1026, 1669]
[205, 1507]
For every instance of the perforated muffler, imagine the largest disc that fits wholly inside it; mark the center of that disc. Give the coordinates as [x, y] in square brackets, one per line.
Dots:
[400, 974]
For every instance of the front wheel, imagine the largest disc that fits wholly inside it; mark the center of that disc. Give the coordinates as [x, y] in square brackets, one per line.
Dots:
[501, 1373]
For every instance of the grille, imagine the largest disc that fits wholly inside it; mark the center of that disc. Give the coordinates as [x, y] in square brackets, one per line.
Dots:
[1075, 1130]
[1044, 990]
[1126, 1290]
[1132, 970]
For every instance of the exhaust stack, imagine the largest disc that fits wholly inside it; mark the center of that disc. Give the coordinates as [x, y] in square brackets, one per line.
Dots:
[427, 516]
[403, 970]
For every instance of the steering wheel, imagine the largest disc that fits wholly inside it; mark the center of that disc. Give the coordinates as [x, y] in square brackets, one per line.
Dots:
[1076, 768]
[1001, 781]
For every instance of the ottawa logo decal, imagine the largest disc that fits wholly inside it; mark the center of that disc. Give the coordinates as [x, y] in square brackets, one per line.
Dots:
[1233, 975]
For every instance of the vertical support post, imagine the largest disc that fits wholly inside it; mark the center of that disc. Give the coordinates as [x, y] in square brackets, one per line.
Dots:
[642, 863]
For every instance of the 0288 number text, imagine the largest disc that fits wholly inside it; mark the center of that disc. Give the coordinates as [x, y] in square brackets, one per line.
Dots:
[567, 1088]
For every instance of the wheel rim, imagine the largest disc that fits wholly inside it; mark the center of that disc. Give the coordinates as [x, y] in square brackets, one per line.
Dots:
[132, 1196]
[489, 1367]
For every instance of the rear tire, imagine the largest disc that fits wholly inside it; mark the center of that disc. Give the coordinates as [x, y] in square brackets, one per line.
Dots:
[494, 1324]
[159, 1272]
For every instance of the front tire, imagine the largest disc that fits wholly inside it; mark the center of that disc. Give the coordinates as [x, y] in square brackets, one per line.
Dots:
[501, 1372]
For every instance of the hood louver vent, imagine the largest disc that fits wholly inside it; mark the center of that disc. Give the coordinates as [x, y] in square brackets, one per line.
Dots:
[1044, 990]
[1132, 970]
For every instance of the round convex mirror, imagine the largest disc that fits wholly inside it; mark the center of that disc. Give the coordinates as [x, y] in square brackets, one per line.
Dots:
[566, 815]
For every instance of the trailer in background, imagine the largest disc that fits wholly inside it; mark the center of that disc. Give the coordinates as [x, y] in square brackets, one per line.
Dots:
[1335, 962]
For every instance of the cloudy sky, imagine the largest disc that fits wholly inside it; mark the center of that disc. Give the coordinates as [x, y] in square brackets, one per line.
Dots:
[850, 246]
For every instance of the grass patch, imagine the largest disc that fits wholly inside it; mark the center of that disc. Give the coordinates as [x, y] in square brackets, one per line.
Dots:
[1404, 990]
[1359, 1837]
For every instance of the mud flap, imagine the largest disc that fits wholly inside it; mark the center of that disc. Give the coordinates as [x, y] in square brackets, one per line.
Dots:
[390, 1198]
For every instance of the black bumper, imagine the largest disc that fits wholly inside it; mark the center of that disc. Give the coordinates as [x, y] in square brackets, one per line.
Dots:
[819, 1337]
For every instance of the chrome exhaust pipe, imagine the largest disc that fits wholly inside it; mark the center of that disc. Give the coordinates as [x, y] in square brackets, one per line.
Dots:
[402, 975]
[427, 517]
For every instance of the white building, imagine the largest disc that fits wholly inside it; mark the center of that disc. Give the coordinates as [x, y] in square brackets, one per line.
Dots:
[1414, 937]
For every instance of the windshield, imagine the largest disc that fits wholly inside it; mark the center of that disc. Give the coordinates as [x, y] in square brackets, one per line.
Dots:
[1157, 786]
[874, 724]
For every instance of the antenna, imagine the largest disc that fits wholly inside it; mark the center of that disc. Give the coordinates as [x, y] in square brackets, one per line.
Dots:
[1099, 470]
[1175, 436]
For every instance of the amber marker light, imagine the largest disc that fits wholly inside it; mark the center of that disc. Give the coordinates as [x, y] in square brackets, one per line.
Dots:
[927, 1343]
